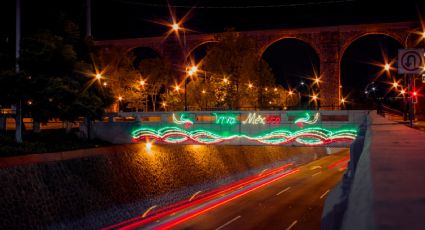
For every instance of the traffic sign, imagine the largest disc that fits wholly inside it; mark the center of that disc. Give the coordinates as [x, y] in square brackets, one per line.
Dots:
[410, 61]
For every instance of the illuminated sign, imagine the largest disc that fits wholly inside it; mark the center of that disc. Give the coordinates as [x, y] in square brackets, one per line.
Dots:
[225, 119]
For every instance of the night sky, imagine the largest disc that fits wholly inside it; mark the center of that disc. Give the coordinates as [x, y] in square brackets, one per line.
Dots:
[115, 19]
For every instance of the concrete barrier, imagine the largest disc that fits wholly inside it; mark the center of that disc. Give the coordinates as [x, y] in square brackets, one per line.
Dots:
[294, 128]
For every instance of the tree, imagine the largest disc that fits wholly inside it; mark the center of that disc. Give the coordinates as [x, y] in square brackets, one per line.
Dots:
[123, 78]
[157, 74]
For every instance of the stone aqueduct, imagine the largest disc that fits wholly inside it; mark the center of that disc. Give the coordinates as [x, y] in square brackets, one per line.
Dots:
[329, 43]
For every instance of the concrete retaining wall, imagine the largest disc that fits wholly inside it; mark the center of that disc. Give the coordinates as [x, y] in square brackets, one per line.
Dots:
[109, 185]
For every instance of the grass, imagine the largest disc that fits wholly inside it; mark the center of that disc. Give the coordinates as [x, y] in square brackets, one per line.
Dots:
[46, 141]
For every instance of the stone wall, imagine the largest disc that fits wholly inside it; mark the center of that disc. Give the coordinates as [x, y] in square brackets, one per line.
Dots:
[122, 182]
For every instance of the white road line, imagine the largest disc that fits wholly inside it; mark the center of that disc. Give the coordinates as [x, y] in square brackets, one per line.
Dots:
[292, 225]
[193, 196]
[316, 174]
[148, 210]
[324, 194]
[228, 222]
[315, 167]
[286, 189]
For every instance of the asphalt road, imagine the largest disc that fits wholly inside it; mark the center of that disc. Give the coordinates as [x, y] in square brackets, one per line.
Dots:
[294, 202]
[288, 199]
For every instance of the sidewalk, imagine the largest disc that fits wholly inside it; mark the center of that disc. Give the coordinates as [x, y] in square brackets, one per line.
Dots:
[397, 163]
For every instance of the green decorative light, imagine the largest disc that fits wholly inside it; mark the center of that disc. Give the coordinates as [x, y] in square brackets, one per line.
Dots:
[312, 136]
[225, 119]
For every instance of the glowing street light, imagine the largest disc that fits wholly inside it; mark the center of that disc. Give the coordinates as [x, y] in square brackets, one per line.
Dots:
[203, 91]
[105, 83]
[250, 85]
[175, 27]
[177, 88]
[120, 98]
[275, 89]
[225, 80]
[387, 67]
[342, 100]
[402, 92]
[142, 82]
[290, 92]
[98, 76]
[192, 70]
[395, 84]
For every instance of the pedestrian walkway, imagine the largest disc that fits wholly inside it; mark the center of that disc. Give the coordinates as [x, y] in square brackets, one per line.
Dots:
[397, 162]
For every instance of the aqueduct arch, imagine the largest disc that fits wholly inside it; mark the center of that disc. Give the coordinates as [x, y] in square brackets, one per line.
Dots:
[329, 42]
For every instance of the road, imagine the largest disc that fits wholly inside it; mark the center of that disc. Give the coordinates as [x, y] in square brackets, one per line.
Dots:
[286, 198]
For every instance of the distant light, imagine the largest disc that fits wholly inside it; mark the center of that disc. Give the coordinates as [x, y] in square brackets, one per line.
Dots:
[164, 104]
[342, 100]
[225, 80]
[275, 89]
[302, 83]
[366, 92]
[290, 92]
[250, 85]
[395, 84]
[387, 67]
[29, 102]
[340, 86]
[177, 88]
[423, 34]
[142, 82]
[316, 80]
[403, 91]
[98, 76]
[270, 102]
[314, 97]
[119, 98]
[203, 91]
[175, 27]
[266, 89]
[415, 93]
[105, 83]
[148, 146]
[373, 88]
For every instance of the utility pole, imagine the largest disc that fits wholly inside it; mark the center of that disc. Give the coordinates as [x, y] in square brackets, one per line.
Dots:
[18, 118]
[88, 18]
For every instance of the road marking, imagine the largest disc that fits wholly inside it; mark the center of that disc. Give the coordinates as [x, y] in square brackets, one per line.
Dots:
[316, 174]
[193, 196]
[148, 210]
[228, 222]
[292, 225]
[261, 173]
[286, 189]
[315, 167]
[324, 194]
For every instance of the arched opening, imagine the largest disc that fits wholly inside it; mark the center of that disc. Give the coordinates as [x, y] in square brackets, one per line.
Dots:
[197, 53]
[295, 65]
[141, 53]
[369, 73]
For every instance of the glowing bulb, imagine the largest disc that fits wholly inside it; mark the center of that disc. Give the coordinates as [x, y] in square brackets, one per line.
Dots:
[316, 80]
[177, 88]
[175, 26]
[250, 85]
[403, 91]
[387, 67]
[98, 76]
[314, 97]
[225, 80]
[119, 98]
[290, 92]
[342, 100]
[142, 82]
[395, 84]
[148, 146]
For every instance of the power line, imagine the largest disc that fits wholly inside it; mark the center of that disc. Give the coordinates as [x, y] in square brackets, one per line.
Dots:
[234, 6]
